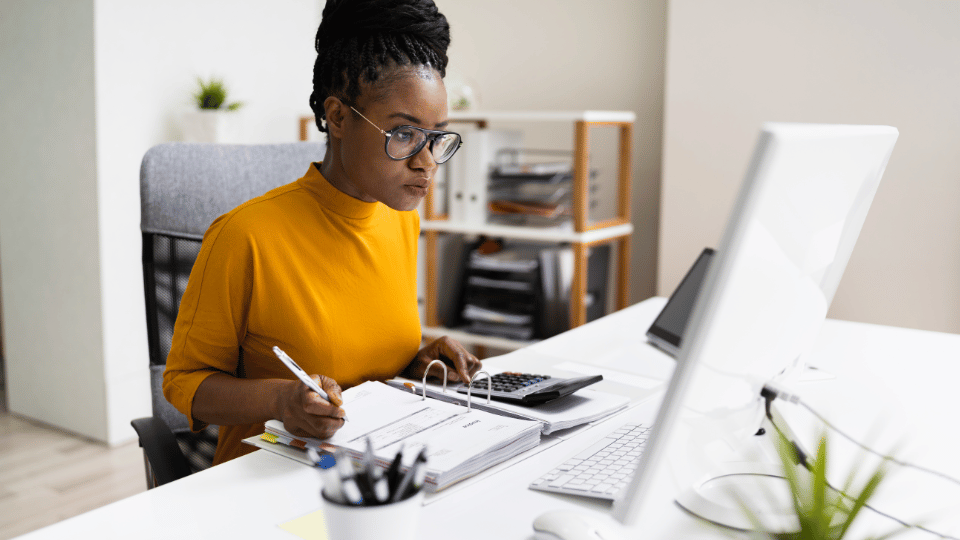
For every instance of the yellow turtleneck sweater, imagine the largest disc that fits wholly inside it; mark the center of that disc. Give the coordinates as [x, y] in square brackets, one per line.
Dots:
[329, 279]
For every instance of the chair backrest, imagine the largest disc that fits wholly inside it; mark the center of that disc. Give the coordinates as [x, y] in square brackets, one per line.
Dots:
[183, 188]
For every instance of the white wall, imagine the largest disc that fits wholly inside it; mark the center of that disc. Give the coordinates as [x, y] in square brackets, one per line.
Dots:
[49, 243]
[88, 87]
[735, 64]
[569, 55]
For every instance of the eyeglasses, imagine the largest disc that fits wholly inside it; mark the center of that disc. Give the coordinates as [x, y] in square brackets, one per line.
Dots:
[405, 141]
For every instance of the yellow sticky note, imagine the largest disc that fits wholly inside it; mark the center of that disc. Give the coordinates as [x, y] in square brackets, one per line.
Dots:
[308, 527]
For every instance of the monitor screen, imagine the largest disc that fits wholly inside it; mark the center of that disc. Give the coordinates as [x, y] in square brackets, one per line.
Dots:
[766, 293]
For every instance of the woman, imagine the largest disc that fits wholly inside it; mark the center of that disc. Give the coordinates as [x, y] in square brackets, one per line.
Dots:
[325, 267]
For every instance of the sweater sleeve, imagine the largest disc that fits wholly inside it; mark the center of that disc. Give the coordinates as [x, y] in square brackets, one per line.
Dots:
[212, 318]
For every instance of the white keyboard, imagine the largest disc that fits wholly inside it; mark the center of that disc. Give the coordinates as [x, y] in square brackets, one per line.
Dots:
[601, 471]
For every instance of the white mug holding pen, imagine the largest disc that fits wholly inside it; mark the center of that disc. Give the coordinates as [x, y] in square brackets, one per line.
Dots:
[358, 502]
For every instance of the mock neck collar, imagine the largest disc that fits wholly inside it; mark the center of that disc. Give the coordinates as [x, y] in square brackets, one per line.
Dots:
[335, 200]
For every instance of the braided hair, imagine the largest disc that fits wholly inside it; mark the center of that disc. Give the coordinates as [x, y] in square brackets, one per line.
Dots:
[362, 40]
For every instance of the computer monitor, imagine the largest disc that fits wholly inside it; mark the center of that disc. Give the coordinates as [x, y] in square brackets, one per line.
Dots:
[765, 296]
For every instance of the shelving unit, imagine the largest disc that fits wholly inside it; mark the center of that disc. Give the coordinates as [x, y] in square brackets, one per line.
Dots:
[581, 235]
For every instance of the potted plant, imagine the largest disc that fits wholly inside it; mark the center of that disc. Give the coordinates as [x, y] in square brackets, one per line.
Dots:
[822, 511]
[213, 120]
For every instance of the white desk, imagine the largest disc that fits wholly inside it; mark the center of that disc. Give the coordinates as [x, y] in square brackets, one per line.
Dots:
[907, 371]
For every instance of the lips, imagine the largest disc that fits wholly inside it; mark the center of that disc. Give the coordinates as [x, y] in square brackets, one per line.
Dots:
[422, 183]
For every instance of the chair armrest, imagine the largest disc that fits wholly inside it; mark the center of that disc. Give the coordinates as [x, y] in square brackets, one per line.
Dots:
[161, 448]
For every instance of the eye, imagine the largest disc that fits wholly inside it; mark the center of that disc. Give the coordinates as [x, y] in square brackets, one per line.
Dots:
[404, 135]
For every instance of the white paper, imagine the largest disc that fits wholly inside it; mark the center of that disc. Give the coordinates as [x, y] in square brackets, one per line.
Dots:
[459, 443]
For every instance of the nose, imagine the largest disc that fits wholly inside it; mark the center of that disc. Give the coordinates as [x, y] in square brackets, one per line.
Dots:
[423, 160]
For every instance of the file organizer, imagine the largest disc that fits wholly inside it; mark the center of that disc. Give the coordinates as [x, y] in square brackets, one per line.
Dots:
[522, 292]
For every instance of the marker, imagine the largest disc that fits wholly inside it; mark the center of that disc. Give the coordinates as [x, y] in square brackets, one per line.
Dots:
[349, 485]
[382, 490]
[367, 466]
[301, 374]
[419, 474]
[330, 478]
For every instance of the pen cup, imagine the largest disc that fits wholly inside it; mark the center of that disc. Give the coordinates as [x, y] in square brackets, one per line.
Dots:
[397, 521]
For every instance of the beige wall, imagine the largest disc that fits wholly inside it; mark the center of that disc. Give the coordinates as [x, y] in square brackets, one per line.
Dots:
[735, 64]
[571, 54]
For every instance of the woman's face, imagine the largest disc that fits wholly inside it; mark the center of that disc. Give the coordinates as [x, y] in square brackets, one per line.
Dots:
[416, 98]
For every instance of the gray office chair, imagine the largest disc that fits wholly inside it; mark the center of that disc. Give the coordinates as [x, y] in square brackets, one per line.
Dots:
[183, 188]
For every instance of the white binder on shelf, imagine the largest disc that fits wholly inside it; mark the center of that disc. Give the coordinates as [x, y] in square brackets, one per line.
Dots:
[468, 177]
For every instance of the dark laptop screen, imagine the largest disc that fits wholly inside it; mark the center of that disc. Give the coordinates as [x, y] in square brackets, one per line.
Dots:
[667, 330]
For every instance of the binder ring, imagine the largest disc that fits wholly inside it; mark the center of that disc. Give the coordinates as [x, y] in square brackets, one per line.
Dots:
[470, 387]
[444, 366]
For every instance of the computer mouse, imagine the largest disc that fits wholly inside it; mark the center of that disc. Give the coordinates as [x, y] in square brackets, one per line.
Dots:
[573, 525]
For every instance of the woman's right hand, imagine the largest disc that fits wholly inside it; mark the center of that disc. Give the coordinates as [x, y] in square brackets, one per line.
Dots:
[305, 414]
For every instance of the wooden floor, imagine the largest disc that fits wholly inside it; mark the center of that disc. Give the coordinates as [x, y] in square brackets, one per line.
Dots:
[47, 475]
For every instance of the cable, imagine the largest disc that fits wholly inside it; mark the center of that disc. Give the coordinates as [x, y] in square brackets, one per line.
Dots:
[769, 393]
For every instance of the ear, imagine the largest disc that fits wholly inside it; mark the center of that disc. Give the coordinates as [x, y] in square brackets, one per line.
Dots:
[336, 112]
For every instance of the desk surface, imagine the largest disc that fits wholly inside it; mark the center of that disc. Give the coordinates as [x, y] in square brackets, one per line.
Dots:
[903, 380]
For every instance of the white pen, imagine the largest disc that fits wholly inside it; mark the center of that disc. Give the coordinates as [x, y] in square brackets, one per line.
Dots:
[301, 374]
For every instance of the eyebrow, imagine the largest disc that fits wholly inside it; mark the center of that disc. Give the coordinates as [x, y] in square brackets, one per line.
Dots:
[415, 120]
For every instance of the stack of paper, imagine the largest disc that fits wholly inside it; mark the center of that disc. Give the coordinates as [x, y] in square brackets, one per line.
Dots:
[459, 443]
[586, 405]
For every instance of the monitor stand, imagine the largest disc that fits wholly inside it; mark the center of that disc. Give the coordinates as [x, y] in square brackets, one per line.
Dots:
[760, 487]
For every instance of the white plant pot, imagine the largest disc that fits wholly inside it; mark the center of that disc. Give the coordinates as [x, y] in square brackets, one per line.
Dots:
[211, 126]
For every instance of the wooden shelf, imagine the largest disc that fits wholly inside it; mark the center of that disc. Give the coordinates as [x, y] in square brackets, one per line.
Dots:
[541, 234]
[466, 338]
[581, 234]
[544, 116]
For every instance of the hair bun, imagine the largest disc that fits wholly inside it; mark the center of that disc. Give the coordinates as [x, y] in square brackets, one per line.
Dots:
[345, 19]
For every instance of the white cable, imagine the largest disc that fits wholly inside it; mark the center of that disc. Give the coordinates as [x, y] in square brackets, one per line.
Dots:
[771, 392]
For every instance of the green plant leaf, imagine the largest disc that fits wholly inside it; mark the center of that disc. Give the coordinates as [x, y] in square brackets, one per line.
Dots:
[823, 512]
[864, 495]
[819, 509]
[211, 95]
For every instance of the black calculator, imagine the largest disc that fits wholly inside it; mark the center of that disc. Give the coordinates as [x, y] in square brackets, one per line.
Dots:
[527, 388]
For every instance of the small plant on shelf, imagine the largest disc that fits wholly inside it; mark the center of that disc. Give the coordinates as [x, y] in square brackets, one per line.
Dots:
[213, 95]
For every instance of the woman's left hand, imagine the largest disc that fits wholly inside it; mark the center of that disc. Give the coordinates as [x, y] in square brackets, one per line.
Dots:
[452, 353]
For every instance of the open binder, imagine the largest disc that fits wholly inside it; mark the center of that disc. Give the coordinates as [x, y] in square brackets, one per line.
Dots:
[460, 442]
[585, 406]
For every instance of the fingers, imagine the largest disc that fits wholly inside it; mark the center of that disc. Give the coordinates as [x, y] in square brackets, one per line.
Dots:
[313, 416]
[316, 405]
[332, 389]
[464, 363]
[321, 427]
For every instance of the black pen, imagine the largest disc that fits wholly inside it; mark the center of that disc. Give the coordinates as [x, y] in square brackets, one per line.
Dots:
[393, 473]
[367, 497]
[419, 474]
[407, 479]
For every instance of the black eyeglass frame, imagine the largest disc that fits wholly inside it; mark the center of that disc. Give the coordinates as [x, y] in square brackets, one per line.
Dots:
[430, 136]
